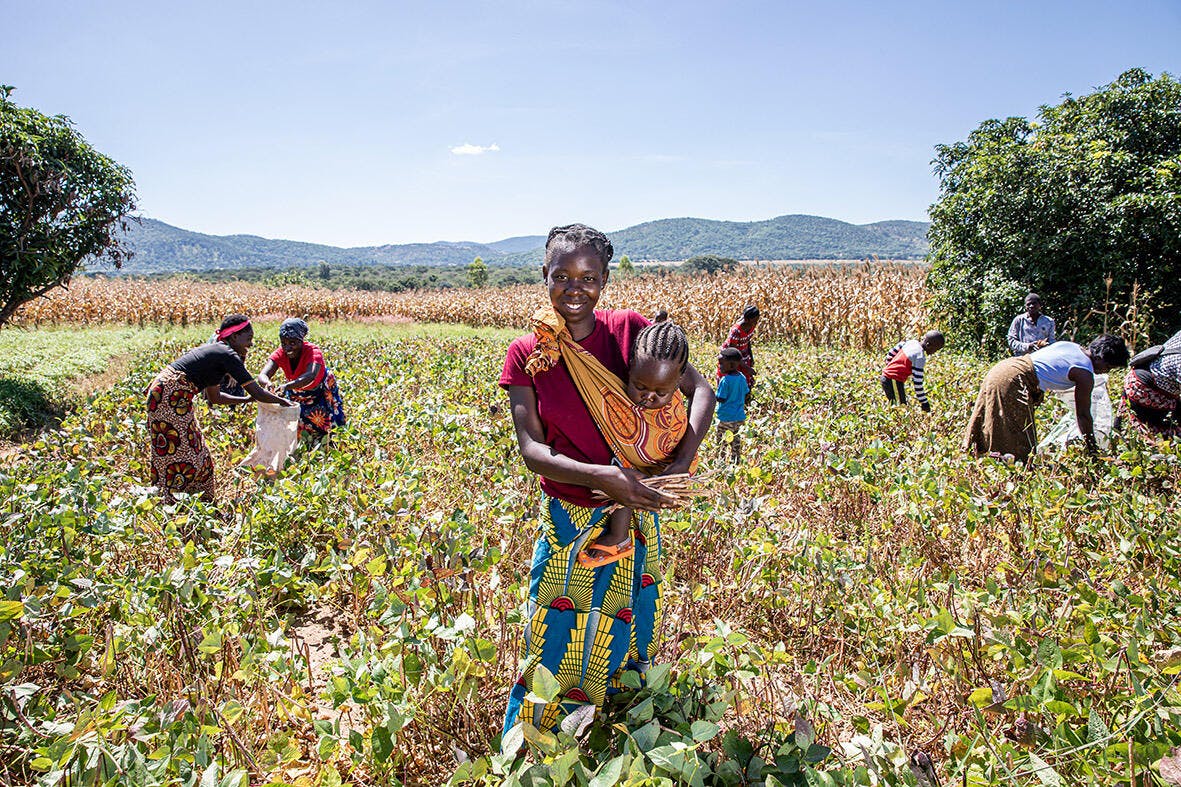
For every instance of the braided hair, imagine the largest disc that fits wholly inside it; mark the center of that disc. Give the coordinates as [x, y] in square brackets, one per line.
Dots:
[573, 236]
[662, 341]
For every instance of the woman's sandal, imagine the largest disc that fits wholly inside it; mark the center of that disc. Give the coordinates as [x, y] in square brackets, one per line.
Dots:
[611, 553]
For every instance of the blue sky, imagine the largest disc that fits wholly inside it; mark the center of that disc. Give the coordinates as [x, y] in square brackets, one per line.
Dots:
[346, 123]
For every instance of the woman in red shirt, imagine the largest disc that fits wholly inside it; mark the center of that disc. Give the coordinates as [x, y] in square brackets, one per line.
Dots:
[616, 606]
[308, 380]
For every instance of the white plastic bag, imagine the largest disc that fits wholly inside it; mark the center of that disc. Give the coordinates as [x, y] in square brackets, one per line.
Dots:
[276, 429]
[1067, 427]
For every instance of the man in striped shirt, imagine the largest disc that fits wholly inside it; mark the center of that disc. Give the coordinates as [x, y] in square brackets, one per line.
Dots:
[908, 359]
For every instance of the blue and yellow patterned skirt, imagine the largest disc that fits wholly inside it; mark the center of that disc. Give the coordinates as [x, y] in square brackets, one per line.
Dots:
[586, 625]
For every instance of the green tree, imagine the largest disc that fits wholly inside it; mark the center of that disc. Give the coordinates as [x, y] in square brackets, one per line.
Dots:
[297, 278]
[477, 273]
[708, 263]
[62, 203]
[625, 266]
[1082, 205]
[325, 271]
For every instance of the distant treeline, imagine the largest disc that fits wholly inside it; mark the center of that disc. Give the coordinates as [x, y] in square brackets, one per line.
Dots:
[374, 278]
[401, 278]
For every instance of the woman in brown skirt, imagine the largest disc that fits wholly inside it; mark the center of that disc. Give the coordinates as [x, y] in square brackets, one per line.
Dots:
[1002, 423]
[178, 457]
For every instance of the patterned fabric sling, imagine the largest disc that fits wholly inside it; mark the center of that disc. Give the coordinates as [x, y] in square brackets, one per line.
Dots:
[640, 438]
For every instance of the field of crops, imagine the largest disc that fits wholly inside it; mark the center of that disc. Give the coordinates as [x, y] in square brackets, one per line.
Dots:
[856, 599]
[862, 306]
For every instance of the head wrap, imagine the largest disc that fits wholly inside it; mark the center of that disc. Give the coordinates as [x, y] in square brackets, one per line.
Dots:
[293, 328]
[224, 333]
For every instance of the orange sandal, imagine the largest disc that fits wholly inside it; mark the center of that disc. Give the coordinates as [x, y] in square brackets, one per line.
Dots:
[611, 553]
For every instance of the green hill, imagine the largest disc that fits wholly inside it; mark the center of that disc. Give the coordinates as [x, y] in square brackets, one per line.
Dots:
[783, 238]
[162, 248]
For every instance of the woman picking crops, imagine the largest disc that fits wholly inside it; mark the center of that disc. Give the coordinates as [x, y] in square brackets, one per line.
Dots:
[179, 459]
[1152, 391]
[586, 624]
[308, 380]
[1003, 421]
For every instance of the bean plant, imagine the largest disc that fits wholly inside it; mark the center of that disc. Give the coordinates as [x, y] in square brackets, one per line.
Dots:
[858, 603]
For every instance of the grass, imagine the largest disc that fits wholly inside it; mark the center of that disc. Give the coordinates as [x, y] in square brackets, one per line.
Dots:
[45, 372]
[857, 596]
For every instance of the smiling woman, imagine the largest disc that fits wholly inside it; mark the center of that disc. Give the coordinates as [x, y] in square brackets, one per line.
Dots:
[587, 624]
[309, 382]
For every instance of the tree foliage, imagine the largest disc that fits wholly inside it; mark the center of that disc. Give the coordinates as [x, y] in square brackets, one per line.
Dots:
[477, 273]
[626, 268]
[1082, 205]
[61, 204]
[708, 263]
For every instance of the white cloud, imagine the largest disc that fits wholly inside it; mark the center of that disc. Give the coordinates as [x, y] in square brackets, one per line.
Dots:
[468, 149]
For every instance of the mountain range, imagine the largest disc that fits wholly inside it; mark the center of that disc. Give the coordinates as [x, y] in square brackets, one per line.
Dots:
[162, 248]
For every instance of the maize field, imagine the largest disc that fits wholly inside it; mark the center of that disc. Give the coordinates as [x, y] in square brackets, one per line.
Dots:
[864, 306]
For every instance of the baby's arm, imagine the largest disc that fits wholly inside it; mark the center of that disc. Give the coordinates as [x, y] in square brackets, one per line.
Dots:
[701, 414]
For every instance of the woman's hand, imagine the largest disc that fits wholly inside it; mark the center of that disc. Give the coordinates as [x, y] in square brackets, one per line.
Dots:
[260, 394]
[626, 487]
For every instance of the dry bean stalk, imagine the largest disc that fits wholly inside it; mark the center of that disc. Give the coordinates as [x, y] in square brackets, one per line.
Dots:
[678, 489]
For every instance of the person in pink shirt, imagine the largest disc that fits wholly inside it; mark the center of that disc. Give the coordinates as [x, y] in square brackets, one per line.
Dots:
[309, 382]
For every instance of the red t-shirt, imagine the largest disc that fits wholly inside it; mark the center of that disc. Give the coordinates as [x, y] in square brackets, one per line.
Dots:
[569, 428]
[740, 340]
[907, 357]
[309, 355]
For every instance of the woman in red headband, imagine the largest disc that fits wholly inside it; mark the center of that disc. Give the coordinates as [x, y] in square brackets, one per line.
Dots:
[178, 457]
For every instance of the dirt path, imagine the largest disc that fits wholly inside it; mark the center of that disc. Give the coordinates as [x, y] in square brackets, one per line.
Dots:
[316, 633]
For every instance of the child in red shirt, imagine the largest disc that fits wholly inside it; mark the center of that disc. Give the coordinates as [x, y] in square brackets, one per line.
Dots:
[739, 339]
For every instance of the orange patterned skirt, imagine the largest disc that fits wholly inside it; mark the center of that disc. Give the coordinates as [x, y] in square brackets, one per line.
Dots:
[178, 458]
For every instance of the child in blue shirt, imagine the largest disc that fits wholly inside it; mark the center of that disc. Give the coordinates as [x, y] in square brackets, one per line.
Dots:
[733, 391]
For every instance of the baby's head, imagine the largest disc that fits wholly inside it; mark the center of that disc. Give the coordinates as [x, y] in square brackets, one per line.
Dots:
[659, 358]
[932, 342]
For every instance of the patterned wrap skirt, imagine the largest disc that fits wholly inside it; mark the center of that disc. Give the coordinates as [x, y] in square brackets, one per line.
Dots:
[178, 458]
[1003, 420]
[320, 408]
[1153, 412]
[586, 625]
